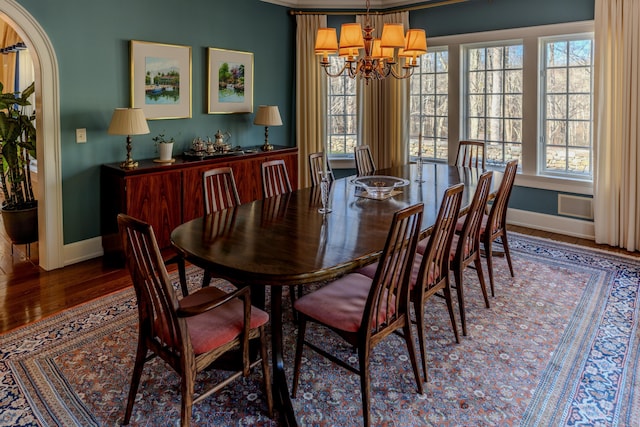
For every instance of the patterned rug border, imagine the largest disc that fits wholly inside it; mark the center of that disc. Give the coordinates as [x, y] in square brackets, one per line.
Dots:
[581, 391]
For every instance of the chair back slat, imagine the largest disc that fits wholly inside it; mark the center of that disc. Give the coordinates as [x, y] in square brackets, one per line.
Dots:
[220, 191]
[469, 240]
[157, 302]
[364, 160]
[497, 217]
[471, 154]
[435, 260]
[388, 297]
[275, 179]
[316, 165]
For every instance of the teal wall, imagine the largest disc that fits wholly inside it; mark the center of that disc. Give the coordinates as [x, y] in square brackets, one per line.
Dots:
[91, 42]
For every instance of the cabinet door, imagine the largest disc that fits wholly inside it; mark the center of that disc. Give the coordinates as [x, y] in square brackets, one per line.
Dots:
[156, 199]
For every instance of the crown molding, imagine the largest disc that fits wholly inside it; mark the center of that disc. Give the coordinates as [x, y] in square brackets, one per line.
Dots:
[342, 4]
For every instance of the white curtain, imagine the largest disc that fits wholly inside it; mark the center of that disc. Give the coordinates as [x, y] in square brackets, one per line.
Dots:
[311, 95]
[383, 107]
[617, 123]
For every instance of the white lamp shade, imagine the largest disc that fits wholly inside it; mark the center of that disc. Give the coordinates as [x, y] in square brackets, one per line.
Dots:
[268, 115]
[128, 121]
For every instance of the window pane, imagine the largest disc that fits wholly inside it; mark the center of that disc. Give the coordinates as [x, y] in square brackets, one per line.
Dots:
[556, 107]
[579, 107]
[494, 100]
[580, 134]
[476, 59]
[556, 132]
[557, 80]
[429, 104]
[580, 79]
[567, 117]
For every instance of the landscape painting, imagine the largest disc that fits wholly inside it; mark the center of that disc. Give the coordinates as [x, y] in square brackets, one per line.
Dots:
[230, 81]
[161, 80]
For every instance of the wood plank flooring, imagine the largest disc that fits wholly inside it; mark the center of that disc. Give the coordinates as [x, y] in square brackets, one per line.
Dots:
[28, 293]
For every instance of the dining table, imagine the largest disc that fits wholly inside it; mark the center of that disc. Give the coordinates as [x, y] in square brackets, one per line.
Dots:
[285, 241]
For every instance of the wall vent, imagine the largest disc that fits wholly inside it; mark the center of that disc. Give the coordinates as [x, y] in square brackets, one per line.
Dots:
[575, 206]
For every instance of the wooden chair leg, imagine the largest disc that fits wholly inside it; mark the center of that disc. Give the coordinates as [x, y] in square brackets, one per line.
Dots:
[452, 317]
[489, 256]
[483, 286]
[187, 388]
[418, 308]
[457, 272]
[182, 274]
[365, 385]
[408, 337]
[141, 355]
[206, 279]
[505, 245]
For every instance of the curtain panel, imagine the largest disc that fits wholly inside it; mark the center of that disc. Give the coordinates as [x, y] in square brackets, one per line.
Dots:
[617, 123]
[311, 95]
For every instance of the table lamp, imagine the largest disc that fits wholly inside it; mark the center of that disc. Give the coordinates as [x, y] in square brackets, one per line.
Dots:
[267, 115]
[128, 121]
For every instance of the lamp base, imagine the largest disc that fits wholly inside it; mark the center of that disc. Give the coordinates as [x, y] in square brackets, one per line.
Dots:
[267, 147]
[128, 164]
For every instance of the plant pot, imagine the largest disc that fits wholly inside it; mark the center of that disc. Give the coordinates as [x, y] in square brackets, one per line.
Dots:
[21, 225]
[166, 151]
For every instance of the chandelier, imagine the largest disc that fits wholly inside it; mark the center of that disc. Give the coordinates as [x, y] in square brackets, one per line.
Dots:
[378, 58]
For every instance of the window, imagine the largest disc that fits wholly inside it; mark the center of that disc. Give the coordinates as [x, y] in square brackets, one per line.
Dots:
[429, 106]
[493, 100]
[567, 97]
[341, 114]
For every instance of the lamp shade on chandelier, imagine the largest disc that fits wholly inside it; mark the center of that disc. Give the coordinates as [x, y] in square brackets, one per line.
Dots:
[368, 57]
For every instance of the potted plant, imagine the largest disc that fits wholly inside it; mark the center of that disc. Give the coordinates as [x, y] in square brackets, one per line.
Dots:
[17, 147]
[164, 146]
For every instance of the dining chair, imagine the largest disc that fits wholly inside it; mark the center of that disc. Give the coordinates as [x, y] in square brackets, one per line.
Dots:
[430, 273]
[471, 154]
[317, 165]
[494, 224]
[275, 182]
[364, 160]
[363, 311]
[275, 179]
[465, 247]
[191, 333]
[219, 189]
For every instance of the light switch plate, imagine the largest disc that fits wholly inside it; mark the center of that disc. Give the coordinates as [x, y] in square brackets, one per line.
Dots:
[81, 136]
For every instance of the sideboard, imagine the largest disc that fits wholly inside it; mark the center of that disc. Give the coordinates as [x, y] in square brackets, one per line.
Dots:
[168, 194]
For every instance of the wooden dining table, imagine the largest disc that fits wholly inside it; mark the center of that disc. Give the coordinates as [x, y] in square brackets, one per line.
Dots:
[284, 240]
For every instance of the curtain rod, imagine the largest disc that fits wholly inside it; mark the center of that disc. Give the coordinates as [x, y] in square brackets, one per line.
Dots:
[355, 12]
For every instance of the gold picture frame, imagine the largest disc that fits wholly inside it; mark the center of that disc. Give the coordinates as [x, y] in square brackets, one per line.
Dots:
[230, 86]
[161, 79]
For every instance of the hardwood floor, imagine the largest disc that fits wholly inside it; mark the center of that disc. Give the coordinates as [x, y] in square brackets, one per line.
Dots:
[28, 293]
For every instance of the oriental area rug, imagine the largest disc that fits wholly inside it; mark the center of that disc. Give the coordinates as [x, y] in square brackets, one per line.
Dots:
[559, 346]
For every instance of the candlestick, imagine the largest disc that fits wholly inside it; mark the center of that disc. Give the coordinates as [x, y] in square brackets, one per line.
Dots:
[419, 146]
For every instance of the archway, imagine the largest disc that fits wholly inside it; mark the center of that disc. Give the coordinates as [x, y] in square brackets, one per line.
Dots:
[50, 233]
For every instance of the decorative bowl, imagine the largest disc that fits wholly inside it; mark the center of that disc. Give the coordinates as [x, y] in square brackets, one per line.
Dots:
[379, 186]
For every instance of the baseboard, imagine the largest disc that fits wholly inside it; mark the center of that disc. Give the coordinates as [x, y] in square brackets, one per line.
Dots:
[555, 224]
[82, 251]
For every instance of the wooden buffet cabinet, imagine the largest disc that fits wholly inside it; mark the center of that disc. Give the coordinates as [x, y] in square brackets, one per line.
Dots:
[167, 195]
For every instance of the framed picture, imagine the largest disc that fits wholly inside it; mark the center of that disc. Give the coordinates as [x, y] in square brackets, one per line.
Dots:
[161, 79]
[230, 81]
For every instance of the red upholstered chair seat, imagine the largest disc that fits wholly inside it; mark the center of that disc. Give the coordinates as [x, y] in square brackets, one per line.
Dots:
[370, 270]
[340, 304]
[221, 325]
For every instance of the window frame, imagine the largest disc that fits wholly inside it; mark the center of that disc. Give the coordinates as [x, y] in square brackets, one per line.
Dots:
[528, 175]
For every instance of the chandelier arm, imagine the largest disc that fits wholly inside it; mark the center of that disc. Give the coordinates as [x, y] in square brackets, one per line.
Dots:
[406, 75]
[346, 65]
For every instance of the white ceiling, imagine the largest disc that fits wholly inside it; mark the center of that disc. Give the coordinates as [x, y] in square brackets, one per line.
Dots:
[343, 4]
